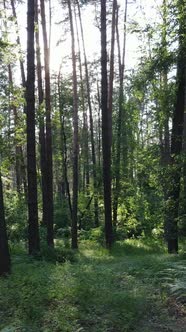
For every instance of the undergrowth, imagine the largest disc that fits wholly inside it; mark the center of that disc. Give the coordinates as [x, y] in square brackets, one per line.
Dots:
[91, 290]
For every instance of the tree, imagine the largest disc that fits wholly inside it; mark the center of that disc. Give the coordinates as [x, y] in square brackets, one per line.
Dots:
[75, 135]
[85, 134]
[4, 251]
[49, 165]
[42, 138]
[106, 130]
[117, 175]
[33, 227]
[88, 90]
[171, 221]
[64, 145]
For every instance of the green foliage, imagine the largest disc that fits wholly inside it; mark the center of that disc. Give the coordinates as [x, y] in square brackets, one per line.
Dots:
[102, 291]
[173, 281]
[94, 234]
[61, 214]
[59, 254]
[16, 216]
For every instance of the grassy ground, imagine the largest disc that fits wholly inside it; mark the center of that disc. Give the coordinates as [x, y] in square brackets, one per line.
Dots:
[136, 287]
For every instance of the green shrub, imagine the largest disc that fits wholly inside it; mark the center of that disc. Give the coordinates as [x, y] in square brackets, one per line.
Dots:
[16, 216]
[58, 254]
[94, 234]
[61, 214]
[63, 232]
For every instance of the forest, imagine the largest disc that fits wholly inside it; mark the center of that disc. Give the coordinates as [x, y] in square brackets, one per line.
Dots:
[92, 165]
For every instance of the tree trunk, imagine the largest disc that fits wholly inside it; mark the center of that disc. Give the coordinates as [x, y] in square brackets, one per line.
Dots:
[111, 76]
[5, 263]
[75, 136]
[33, 228]
[121, 60]
[18, 149]
[85, 134]
[171, 221]
[184, 172]
[99, 127]
[41, 122]
[64, 148]
[106, 130]
[49, 214]
[165, 88]
[96, 212]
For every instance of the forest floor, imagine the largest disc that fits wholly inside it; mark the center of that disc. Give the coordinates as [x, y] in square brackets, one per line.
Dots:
[136, 287]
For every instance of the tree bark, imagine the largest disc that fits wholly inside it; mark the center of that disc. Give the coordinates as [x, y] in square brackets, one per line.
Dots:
[64, 148]
[106, 130]
[49, 166]
[85, 134]
[18, 149]
[96, 208]
[42, 138]
[111, 76]
[33, 228]
[117, 175]
[171, 221]
[99, 126]
[165, 88]
[75, 136]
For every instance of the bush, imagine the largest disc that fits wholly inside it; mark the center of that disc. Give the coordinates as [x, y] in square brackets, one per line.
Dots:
[58, 254]
[16, 216]
[61, 214]
[94, 234]
[63, 232]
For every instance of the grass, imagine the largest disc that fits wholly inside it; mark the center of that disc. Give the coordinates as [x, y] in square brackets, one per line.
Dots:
[99, 291]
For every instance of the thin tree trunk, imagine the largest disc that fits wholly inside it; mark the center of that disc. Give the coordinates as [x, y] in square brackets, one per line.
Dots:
[117, 175]
[91, 122]
[18, 149]
[33, 228]
[49, 215]
[50, 26]
[41, 122]
[106, 130]
[64, 148]
[99, 126]
[66, 172]
[165, 87]
[5, 263]
[85, 135]
[75, 136]
[111, 76]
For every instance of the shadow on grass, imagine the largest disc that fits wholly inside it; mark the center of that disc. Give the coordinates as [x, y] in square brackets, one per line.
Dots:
[115, 291]
[102, 291]
[24, 294]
